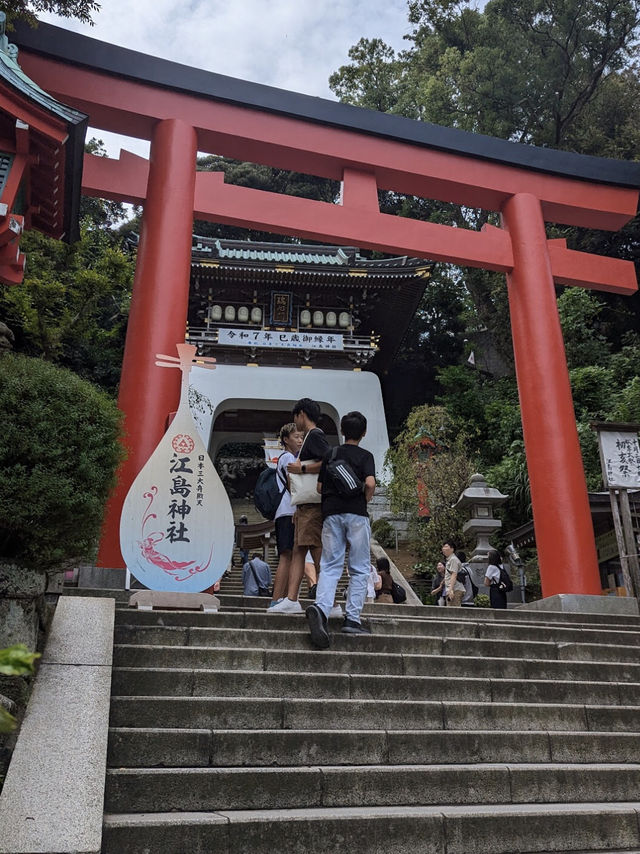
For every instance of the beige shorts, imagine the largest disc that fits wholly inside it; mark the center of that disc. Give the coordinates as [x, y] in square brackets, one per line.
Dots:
[307, 522]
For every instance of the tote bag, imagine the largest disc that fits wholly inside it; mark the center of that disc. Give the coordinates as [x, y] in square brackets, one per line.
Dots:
[303, 487]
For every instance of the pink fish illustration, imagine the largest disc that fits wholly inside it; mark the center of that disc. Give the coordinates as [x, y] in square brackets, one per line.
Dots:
[179, 570]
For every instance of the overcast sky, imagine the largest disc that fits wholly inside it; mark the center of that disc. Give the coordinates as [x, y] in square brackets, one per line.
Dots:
[291, 44]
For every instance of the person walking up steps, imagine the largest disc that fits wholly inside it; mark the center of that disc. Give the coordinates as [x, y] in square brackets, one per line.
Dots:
[307, 519]
[291, 440]
[346, 482]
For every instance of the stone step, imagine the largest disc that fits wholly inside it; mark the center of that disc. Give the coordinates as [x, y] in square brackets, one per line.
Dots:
[391, 619]
[424, 644]
[222, 712]
[364, 686]
[500, 829]
[292, 633]
[192, 748]
[350, 661]
[616, 622]
[311, 787]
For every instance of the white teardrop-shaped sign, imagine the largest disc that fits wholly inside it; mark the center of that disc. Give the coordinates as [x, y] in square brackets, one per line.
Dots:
[176, 527]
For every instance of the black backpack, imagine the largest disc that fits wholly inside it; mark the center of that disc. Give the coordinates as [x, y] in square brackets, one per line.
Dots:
[505, 580]
[398, 593]
[268, 494]
[342, 476]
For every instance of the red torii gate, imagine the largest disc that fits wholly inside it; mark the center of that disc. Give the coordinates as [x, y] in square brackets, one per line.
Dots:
[182, 110]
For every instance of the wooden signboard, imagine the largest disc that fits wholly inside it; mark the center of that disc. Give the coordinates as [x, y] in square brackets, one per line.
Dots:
[176, 528]
[620, 460]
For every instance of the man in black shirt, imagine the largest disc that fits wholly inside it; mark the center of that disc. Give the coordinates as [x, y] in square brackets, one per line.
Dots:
[345, 520]
[307, 519]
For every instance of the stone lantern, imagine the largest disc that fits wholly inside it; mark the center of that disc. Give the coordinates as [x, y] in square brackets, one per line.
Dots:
[481, 500]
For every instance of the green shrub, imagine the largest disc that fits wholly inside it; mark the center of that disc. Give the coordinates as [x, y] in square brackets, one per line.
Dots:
[422, 570]
[16, 660]
[59, 450]
[384, 532]
[482, 601]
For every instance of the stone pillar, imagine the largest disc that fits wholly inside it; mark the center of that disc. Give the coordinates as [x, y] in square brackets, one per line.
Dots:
[561, 515]
[21, 604]
[158, 316]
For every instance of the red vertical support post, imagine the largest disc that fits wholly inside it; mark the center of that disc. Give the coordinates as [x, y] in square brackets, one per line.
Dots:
[561, 515]
[158, 315]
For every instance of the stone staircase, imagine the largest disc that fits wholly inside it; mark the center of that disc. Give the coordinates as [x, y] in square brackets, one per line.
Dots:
[460, 731]
[231, 581]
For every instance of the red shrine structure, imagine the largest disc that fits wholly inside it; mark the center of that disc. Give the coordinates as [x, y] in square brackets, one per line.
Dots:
[41, 150]
[182, 110]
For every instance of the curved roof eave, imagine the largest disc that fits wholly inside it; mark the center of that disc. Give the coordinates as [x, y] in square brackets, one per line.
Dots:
[76, 124]
[76, 49]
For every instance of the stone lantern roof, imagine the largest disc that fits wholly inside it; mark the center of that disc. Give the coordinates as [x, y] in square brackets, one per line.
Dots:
[478, 492]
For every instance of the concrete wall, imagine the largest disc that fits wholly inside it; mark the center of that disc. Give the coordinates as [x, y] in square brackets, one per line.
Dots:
[337, 392]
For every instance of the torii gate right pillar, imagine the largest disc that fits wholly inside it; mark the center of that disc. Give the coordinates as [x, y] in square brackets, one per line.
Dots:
[556, 474]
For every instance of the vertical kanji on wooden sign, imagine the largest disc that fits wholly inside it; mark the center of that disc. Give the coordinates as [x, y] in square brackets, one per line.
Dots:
[176, 527]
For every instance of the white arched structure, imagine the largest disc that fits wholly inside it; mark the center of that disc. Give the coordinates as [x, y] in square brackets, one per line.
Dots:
[244, 387]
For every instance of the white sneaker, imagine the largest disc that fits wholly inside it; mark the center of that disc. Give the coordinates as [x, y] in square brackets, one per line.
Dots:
[273, 604]
[286, 607]
[336, 611]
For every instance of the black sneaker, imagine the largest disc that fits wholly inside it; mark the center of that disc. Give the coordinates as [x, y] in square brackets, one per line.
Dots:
[318, 627]
[312, 591]
[352, 628]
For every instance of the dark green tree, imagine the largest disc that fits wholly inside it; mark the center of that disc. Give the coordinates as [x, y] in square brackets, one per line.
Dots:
[73, 305]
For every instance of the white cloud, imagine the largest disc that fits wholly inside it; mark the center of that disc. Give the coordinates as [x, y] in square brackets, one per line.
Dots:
[290, 44]
[284, 43]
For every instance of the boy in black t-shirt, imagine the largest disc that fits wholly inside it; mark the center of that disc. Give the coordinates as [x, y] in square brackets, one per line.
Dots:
[345, 520]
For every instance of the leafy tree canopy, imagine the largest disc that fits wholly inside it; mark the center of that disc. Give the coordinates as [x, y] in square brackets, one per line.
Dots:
[443, 475]
[27, 10]
[73, 304]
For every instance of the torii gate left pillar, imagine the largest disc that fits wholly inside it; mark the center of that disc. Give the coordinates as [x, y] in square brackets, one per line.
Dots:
[158, 315]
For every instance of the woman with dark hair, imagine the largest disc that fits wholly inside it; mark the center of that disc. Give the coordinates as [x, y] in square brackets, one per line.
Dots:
[290, 440]
[437, 585]
[497, 593]
[383, 596]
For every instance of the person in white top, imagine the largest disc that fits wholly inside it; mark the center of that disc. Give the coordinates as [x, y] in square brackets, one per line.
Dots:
[291, 441]
[374, 582]
[497, 593]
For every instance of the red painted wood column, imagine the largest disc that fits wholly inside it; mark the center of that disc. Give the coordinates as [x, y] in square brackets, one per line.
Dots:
[158, 315]
[561, 515]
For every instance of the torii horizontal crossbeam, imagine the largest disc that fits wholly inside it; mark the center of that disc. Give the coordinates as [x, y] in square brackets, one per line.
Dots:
[360, 223]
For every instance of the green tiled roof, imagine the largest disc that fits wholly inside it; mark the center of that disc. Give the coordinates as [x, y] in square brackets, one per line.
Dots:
[343, 259]
[5, 166]
[291, 255]
[13, 74]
